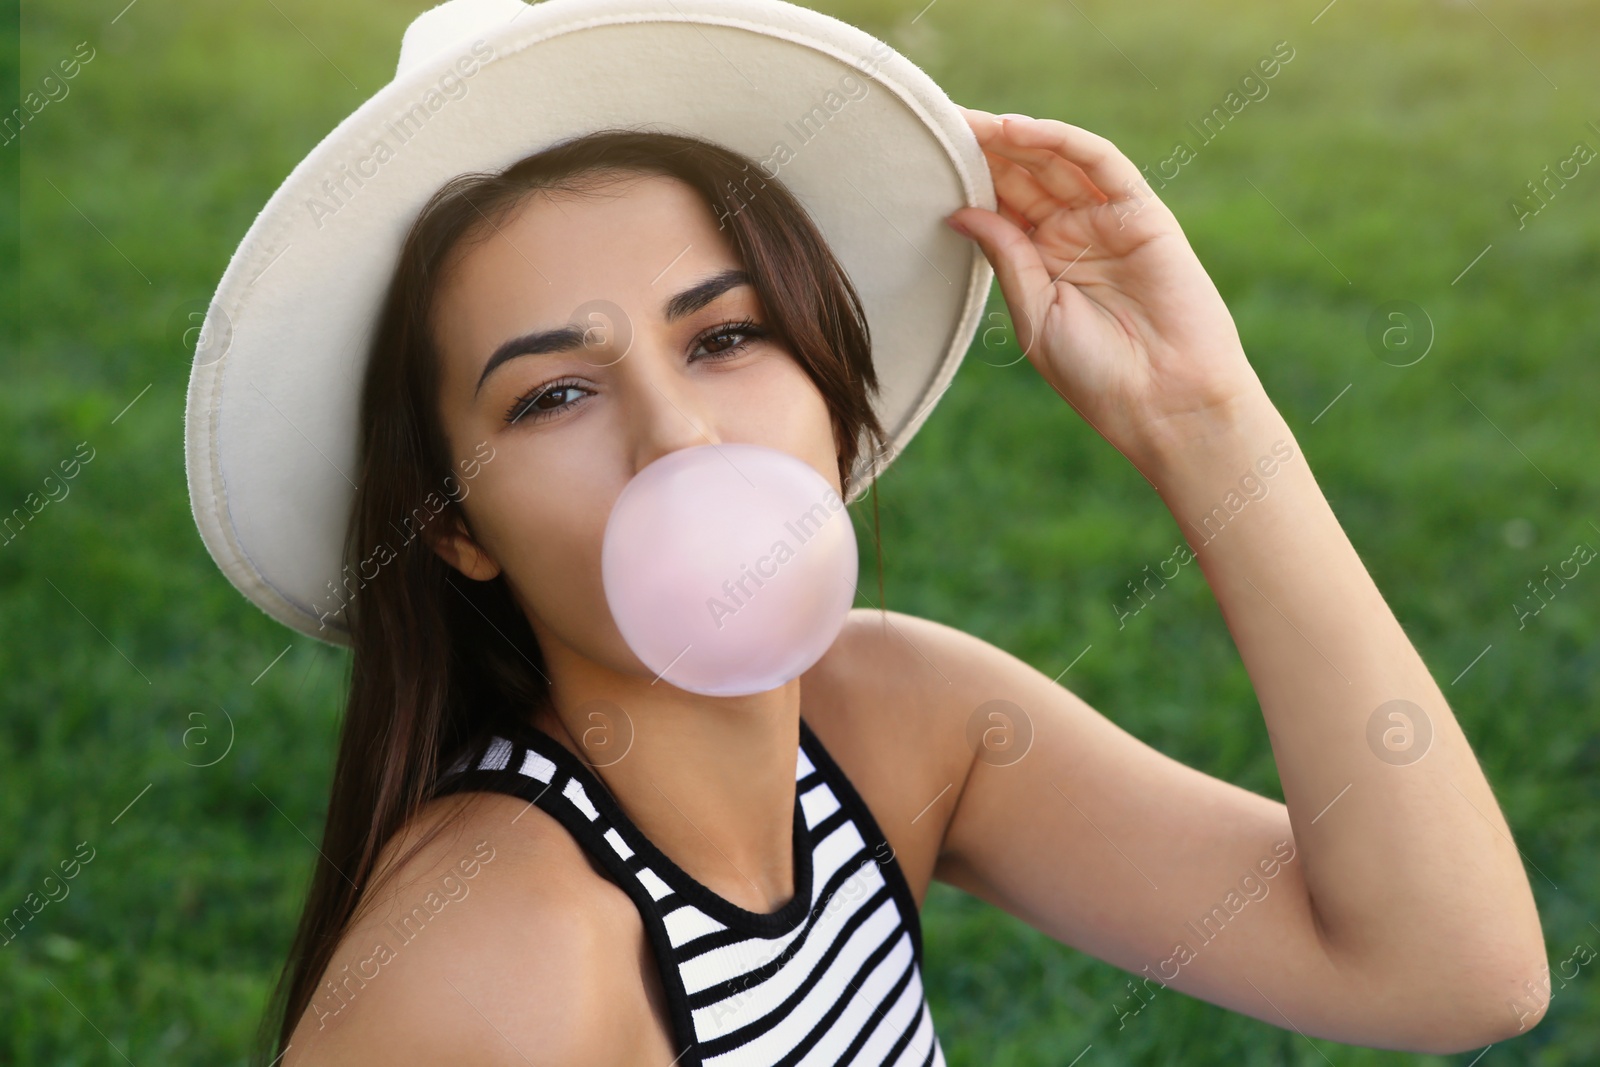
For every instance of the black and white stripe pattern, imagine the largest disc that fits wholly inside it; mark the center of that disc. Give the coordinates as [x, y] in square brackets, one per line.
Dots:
[833, 977]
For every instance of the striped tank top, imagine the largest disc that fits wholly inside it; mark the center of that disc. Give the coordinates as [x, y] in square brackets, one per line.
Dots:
[834, 976]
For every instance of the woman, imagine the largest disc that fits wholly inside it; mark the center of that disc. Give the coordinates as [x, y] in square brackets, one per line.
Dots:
[1377, 933]
[538, 852]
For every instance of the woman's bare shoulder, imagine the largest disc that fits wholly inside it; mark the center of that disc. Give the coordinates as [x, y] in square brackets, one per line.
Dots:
[499, 941]
[883, 705]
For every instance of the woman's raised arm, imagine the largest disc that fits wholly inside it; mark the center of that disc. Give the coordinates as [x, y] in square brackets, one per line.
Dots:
[1410, 880]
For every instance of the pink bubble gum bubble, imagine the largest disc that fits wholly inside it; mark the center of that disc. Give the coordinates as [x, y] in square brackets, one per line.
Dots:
[730, 568]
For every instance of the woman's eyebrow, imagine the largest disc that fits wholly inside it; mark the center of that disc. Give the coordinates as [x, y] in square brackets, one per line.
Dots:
[566, 338]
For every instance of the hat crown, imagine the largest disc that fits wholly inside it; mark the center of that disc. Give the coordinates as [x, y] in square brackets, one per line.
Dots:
[450, 25]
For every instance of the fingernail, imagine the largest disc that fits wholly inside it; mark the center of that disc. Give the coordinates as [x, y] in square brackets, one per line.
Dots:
[956, 226]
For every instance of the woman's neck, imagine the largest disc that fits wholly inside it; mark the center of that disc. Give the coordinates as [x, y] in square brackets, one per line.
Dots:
[709, 780]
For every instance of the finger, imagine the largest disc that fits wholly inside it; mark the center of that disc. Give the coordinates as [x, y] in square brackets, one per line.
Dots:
[981, 122]
[1015, 219]
[1022, 200]
[1113, 173]
[1018, 189]
[1023, 279]
[985, 126]
[1064, 180]
[1009, 213]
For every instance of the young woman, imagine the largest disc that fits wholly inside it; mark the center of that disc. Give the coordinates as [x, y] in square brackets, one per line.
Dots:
[538, 853]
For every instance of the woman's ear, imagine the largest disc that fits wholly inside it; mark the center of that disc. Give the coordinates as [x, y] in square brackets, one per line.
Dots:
[457, 547]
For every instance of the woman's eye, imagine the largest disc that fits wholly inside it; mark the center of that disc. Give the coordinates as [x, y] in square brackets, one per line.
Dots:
[543, 402]
[747, 330]
[546, 400]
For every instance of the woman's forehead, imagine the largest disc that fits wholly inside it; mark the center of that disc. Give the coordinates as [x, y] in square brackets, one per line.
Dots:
[632, 244]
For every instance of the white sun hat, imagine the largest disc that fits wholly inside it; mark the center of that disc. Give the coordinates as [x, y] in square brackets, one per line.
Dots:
[872, 148]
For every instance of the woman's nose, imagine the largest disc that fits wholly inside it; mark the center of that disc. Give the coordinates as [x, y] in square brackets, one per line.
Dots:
[667, 411]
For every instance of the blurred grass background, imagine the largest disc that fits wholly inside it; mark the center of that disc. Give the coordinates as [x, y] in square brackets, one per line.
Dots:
[1380, 164]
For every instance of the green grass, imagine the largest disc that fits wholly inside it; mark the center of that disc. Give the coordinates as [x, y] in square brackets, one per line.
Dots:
[1394, 140]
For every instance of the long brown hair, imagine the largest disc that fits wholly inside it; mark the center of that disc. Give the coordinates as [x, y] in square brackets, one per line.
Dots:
[440, 662]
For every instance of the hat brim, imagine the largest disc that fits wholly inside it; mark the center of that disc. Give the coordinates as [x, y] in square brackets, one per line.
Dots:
[271, 421]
